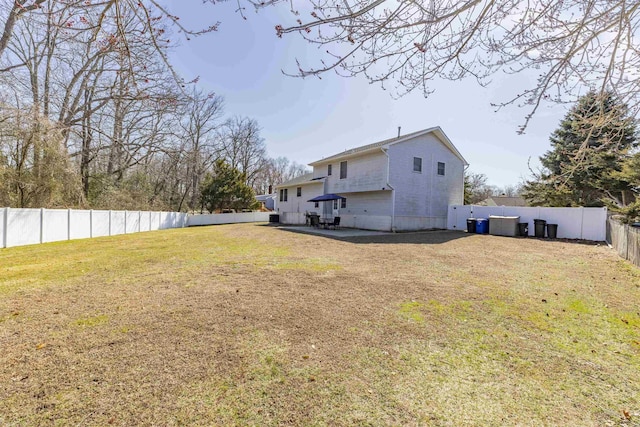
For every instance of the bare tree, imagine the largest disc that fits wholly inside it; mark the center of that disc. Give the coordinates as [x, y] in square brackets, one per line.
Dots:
[242, 147]
[572, 45]
[199, 123]
[276, 171]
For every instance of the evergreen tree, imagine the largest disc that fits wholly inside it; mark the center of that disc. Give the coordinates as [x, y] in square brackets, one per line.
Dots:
[226, 188]
[588, 150]
[630, 174]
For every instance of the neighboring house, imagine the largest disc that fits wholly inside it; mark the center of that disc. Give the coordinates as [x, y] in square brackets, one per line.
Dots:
[267, 201]
[399, 184]
[503, 201]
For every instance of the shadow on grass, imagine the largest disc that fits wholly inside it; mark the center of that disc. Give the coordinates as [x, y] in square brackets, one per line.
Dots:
[376, 237]
[417, 237]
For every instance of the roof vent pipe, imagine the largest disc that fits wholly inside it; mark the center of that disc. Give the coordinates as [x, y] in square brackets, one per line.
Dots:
[398, 131]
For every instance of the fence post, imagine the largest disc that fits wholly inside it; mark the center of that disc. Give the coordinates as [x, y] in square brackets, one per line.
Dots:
[5, 227]
[68, 224]
[41, 224]
[125, 222]
[109, 222]
[139, 221]
[90, 223]
[627, 233]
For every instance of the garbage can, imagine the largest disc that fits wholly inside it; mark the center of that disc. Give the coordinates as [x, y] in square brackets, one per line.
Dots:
[471, 225]
[523, 229]
[482, 226]
[539, 225]
[274, 218]
[552, 231]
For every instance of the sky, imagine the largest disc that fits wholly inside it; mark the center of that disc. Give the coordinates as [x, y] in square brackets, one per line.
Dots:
[308, 119]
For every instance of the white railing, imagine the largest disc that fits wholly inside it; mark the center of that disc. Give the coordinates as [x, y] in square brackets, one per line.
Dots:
[573, 223]
[20, 227]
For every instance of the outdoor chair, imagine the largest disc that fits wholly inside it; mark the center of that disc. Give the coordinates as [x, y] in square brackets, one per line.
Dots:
[314, 221]
[335, 224]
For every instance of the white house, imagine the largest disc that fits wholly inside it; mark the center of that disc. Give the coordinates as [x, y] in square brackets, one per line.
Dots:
[399, 184]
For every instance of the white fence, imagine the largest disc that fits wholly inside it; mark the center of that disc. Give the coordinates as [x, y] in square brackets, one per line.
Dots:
[20, 227]
[227, 218]
[573, 223]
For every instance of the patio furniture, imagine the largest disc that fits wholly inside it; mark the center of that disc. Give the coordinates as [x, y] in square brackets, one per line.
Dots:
[314, 221]
[307, 217]
[335, 224]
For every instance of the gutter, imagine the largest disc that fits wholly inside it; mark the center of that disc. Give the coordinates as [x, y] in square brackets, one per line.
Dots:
[393, 193]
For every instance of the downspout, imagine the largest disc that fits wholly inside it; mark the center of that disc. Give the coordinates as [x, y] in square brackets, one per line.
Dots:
[393, 193]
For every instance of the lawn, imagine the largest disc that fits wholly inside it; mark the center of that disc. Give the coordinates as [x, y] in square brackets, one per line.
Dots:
[255, 325]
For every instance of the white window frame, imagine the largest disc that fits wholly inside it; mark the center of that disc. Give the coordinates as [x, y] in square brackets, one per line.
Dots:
[345, 170]
[419, 170]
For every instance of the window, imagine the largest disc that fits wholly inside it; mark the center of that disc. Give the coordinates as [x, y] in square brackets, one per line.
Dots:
[281, 195]
[440, 168]
[299, 191]
[335, 204]
[286, 191]
[329, 170]
[417, 164]
[343, 170]
[343, 203]
[316, 205]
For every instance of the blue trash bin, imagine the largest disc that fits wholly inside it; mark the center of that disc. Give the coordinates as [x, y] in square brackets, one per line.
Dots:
[482, 226]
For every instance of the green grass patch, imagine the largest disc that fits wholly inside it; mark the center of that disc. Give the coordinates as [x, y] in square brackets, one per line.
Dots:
[88, 322]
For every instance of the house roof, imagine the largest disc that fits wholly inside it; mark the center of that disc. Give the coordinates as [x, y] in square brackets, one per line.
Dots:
[301, 180]
[437, 131]
[505, 201]
[264, 197]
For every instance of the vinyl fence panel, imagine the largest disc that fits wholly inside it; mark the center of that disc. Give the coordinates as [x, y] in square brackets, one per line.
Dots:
[145, 221]
[55, 225]
[79, 224]
[133, 222]
[155, 221]
[230, 218]
[23, 227]
[573, 223]
[30, 226]
[118, 222]
[3, 226]
[100, 223]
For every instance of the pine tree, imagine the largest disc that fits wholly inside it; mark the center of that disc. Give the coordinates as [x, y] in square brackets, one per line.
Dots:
[588, 149]
[226, 188]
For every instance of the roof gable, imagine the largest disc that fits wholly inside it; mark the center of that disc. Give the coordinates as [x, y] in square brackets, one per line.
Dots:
[437, 131]
[307, 178]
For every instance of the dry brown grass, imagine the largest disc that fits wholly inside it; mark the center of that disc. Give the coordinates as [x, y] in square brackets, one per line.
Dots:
[253, 325]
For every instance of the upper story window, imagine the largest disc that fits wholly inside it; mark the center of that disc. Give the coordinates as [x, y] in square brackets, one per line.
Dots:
[329, 170]
[440, 168]
[299, 191]
[417, 164]
[343, 170]
[283, 195]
